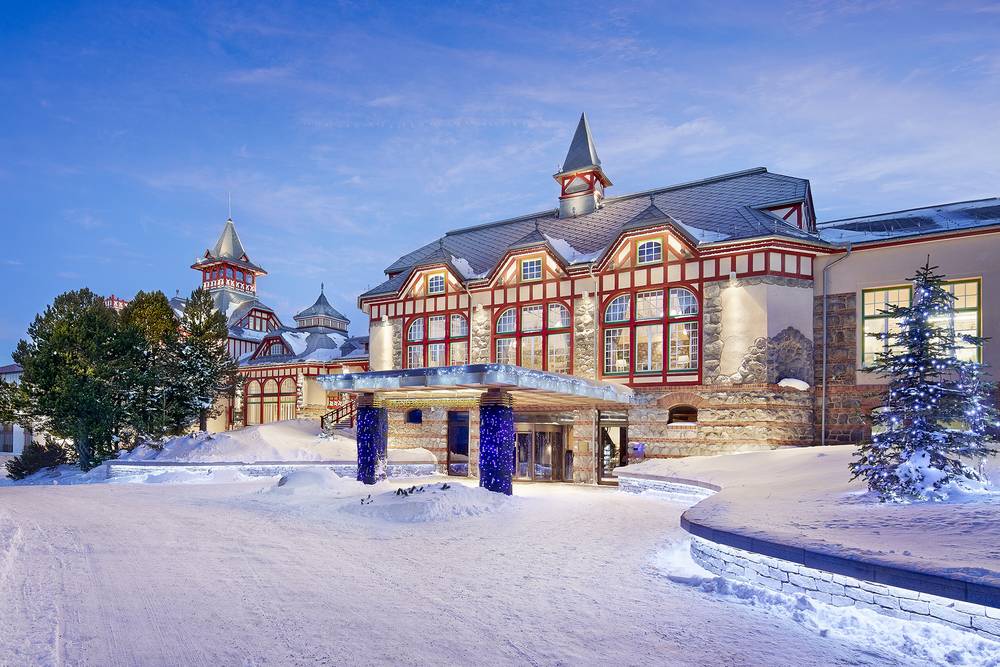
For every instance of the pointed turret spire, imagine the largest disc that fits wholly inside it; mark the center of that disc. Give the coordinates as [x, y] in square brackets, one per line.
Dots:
[582, 179]
[228, 246]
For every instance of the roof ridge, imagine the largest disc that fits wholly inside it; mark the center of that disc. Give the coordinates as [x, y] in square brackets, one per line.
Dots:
[907, 210]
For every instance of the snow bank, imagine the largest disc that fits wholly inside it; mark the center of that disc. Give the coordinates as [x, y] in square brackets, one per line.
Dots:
[431, 502]
[318, 481]
[804, 497]
[793, 383]
[293, 440]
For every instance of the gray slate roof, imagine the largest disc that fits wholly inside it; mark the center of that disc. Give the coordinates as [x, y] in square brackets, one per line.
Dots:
[230, 248]
[321, 308]
[720, 208]
[317, 344]
[912, 222]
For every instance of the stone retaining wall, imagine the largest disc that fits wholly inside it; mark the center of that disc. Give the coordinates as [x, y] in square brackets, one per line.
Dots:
[263, 468]
[794, 579]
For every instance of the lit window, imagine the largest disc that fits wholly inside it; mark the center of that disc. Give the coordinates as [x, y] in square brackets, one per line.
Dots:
[435, 327]
[435, 355]
[965, 320]
[683, 346]
[507, 351]
[435, 284]
[558, 354]
[649, 251]
[649, 348]
[459, 326]
[531, 269]
[616, 351]
[649, 305]
[459, 354]
[415, 356]
[531, 318]
[874, 320]
[507, 322]
[531, 352]
[618, 309]
[682, 303]
[558, 316]
[416, 330]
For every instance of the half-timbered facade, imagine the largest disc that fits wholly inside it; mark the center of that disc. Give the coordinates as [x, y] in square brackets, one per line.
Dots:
[700, 297]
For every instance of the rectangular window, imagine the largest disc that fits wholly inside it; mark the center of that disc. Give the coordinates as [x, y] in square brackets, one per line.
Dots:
[435, 327]
[873, 321]
[648, 252]
[649, 305]
[507, 351]
[531, 352]
[459, 326]
[558, 355]
[684, 346]
[531, 318]
[965, 321]
[435, 284]
[435, 355]
[616, 351]
[531, 269]
[415, 356]
[459, 354]
[649, 348]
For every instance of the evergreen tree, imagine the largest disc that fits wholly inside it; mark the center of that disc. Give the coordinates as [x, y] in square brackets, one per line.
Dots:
[67, 384]
[940, 418]
[205, 365]
[147, 348]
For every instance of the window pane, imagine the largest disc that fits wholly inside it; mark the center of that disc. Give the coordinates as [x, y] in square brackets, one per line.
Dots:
[531, 318]
[459, 326]
[649, 348]
[531, 269]
[435, 284]
[558, 316]
[682, 303]
[558, 361]
[415, 356]
[650, 251]
[649, 305]
[684, 346]
[618, 310]
[416, 330]
[435, 327]
[507, 321]
[507, 351]
[616, 351]
[531, 352]
[459, 354]
[435, 355]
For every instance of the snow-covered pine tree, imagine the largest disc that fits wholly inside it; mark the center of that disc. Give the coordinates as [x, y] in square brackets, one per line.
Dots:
[940, 416]
[206, 367]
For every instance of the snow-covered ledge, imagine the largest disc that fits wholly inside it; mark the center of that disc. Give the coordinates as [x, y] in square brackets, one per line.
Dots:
[262, 468]
[737, 532]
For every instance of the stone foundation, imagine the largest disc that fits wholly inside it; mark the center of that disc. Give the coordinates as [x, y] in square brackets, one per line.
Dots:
[432, 434]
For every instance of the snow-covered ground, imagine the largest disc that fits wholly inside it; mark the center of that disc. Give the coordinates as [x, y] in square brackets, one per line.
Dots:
[803, 497]
[321, 569]
[294, 440]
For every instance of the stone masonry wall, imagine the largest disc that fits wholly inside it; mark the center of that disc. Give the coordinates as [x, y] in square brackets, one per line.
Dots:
[794, 579]
[480, 331]
[432, 434]
[584, 359]
[581, 441]
[397, 343]
[730, 419]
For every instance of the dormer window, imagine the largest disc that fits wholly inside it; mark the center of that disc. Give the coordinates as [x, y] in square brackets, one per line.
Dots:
[649, 252]
[531, 269]
[435, 284]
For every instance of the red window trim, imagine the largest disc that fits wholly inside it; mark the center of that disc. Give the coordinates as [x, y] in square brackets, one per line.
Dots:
[447, 340]
[544, 332]
[280, 379]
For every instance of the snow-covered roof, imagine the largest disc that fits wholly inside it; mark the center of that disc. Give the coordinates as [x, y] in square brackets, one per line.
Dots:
[912, 222]
[312, 344]
[322, 308]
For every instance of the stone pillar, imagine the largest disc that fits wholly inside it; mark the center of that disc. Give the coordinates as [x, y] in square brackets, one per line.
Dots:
[373, 440]
[496, 442]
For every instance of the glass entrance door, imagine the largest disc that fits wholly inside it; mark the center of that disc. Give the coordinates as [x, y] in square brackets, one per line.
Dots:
[458, 443]
[540, 453]
[613, 452]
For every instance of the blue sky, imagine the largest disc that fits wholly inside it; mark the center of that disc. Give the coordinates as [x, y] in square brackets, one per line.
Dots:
[349, 133]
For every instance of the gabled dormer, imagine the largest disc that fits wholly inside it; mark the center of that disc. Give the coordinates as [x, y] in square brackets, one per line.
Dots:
[581, 179]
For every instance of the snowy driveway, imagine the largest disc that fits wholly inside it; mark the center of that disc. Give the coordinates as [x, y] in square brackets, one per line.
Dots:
[222, 574]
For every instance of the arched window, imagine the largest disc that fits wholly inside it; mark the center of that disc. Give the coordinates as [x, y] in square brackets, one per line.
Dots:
[543, 341]
[437, 340]
[649, 252]
[253, 403]
[641, 337]
[287, 399]
[618, 309]
[682, 414]
[415, 416]
[435, 284]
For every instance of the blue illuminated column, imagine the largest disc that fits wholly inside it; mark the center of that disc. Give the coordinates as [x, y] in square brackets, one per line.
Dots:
[373, 439]
[496, 442]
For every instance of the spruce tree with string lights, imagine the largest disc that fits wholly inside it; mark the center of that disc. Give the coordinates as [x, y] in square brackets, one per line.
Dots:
[940, 419]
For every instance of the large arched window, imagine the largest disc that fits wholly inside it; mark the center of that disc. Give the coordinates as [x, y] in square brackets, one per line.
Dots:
[271, 400]
[642, 337]
[440, 339]
[287, 399]
[253, 403]
[536, 335]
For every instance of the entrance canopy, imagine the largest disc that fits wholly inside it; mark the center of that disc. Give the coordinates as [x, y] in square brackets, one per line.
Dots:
[528, 388]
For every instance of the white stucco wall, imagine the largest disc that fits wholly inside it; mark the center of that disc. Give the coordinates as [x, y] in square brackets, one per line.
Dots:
[789, 306]
[744, 319]
[380, 345]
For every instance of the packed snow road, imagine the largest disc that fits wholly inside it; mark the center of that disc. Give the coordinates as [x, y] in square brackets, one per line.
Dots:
[244, 573]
